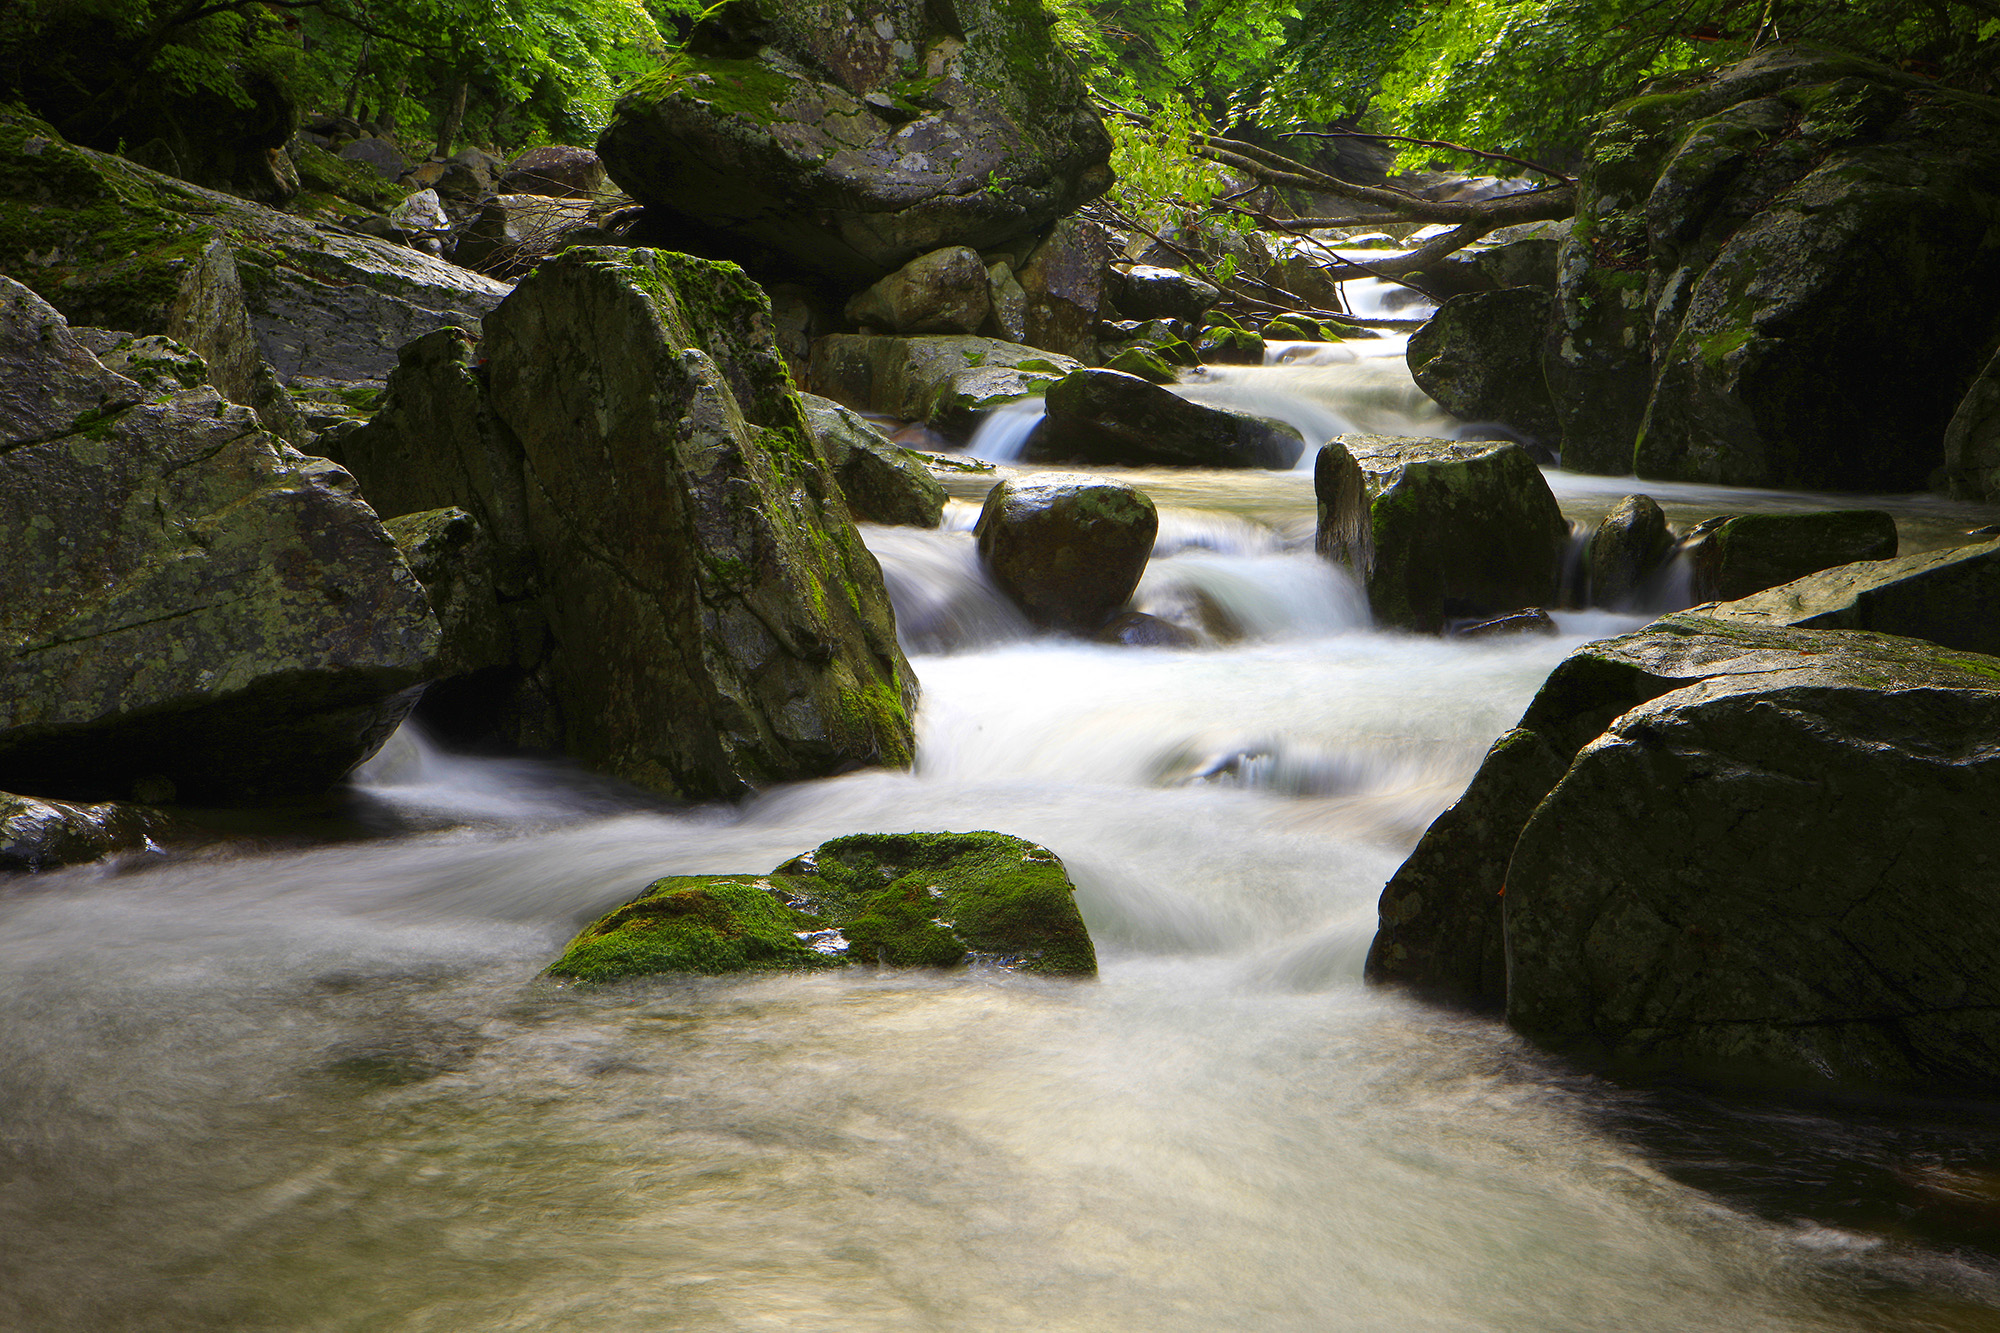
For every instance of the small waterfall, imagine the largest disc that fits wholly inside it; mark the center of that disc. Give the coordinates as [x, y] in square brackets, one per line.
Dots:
[1003, 435]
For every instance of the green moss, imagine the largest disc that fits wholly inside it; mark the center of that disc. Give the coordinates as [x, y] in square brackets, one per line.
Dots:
[747, 88]
[704, 924]
[327, 174]
[1716, 347]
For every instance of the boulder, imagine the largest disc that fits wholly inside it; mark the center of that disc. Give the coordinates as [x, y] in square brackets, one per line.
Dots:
[895, 899]
[633, 444]
[1523, 256]
[1148, 291]
[1107, 416]
[1479, 356]
[1811, 906]
[340, 180]
[1069, 549]
[793, 133]
[1630, 545]
[43, 835]
[558, 171]
[945, 380]
[511, 233]
[882, 482]
[115, 245]
[1752, 552]
[197, 607]
[1740, 240]
[1972, 439]
[1439, 530]
[1063, 283]
[1950, 597]
[379, 155]
[1009, 317]
[1144, 363]
[1225, 345]
[462, 574]
[944, 291]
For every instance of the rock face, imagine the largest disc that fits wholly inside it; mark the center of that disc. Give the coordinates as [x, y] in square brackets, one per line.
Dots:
[881, 481]
[1147, 291]
[1067, 548]
[846, 142]
[1480, 358]
[1950, 597]
[193, 606]
[1439, 530]
[113, 244]
[904, 900]
[1811, 903]
[1629, 546]
[1108, 416]
[633, 441]
[1752, 552]
[944, 291]
[1739, 243]
[946, 381]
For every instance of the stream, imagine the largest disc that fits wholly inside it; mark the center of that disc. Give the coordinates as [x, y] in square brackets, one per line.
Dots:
[321, 1087]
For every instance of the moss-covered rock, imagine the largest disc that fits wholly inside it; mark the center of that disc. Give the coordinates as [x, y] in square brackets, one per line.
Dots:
[352, 182]
[845, 142]
[948, 381]
[882, 482]
[898, 900]
[1751, 552]
[1480, 358]
[635, 450]
[192, 604]
[1069, 549]
[1950, 597]
[1439, 530]
[1107, 416]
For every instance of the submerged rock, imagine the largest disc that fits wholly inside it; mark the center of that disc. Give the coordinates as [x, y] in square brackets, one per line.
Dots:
[1751, 552]
[1950, 597]
[900, 900]
[192, 602]
[1479, 356]
[1068, 549]
[1438, 530]
[882, 481]
[1811, 904]
[795, 134]
[635, 450]
[1108, 416]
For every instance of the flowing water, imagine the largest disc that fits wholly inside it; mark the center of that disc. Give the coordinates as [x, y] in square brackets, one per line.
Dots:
[324, 1088]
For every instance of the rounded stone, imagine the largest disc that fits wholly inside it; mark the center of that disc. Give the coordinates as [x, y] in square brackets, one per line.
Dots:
[1066, 547]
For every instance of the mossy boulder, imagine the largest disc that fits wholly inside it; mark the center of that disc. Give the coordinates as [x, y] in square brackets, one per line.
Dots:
[949, 381]
[898, 900]
[634, 449]
[116, 245]
[1108, 416]
[1439, 530]
[1739, 243]
[1479, 356]
[1069, 549]
[1811, 904]
[344, 179]
[1750, 552]
[882, 481]
[810, 136]
[1950, 597]
[193, 606]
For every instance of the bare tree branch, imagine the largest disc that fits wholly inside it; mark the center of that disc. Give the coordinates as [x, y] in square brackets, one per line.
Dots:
[1433, 143]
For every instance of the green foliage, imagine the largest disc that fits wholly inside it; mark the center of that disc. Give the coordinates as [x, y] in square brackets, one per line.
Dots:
[1164, 185]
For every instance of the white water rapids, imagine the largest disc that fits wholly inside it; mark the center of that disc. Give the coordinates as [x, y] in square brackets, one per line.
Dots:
[322, 1088]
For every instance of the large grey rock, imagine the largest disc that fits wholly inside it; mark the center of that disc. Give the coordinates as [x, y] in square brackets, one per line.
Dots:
[1069, 549]
[115, 245]
[1063, 283]
[716, 623]
[1751, 552]
[1479, 356]
[1810, 904]
[1816, 902]
[194, 606]
[881, 481]
[1438, 530]
[943, 379]
[1972, 439]
[1108, 416]
[944, 291]
[1741, 241]
[1950, 597]
[846, 147]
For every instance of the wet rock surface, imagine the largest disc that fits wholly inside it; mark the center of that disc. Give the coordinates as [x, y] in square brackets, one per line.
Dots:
[1751, 552]
[1069, 549]
[945, 380]
[1107, 416]
[1480, 358]
[900, 900]
[1627, 550]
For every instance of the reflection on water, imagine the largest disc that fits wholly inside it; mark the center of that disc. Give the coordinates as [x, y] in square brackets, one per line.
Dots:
[326, 1090]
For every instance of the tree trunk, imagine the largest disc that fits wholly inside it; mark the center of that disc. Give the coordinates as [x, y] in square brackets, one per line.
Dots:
[454, 117]
[354, 84]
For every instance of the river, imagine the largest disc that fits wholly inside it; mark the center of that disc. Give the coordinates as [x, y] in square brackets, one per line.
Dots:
[295, 1086]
